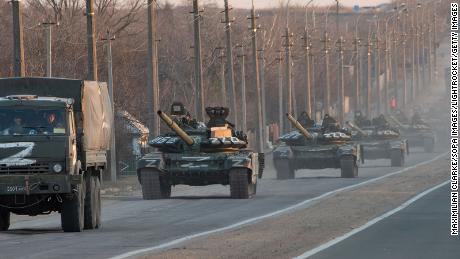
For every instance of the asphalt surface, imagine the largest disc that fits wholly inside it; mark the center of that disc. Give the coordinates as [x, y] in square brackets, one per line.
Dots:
[419, 231]
[130, 223]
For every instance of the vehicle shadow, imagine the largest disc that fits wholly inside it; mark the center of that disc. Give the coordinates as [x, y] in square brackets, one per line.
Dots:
[32, 231]
[200, 197]
[314, 177]
[374, 166]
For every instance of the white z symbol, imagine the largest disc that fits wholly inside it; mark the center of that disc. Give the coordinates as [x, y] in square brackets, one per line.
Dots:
[18, 158]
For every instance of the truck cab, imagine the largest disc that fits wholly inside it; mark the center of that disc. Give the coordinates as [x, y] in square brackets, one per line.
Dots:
[37, 135]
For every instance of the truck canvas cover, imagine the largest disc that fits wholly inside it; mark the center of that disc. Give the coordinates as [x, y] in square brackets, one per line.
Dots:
[91, 103]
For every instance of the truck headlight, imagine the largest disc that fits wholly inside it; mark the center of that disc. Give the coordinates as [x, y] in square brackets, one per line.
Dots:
[57, 168]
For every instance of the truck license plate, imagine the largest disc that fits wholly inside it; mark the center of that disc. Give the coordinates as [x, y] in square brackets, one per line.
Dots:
[11, 188]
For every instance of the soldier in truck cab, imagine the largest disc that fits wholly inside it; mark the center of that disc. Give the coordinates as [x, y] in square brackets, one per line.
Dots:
[53, 124]
[17, 128]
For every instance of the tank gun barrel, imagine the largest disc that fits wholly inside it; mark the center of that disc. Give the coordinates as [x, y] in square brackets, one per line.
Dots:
[396, 121]
[298, 126]
[355, 127]
[173, 126]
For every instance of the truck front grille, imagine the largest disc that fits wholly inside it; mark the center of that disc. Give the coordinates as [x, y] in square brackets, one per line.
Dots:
[27, 169]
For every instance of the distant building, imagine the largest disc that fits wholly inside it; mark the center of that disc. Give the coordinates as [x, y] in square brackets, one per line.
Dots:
[132, 140]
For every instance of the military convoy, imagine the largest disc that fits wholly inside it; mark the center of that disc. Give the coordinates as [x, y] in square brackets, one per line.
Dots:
[54, 134]
[378, 140]
[322, 147]
[197, 155]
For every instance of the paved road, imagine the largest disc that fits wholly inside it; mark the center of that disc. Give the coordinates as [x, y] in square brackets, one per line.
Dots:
[418, 231]
[132, 223]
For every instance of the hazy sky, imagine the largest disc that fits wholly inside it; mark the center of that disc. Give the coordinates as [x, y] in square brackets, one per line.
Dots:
[270, 3]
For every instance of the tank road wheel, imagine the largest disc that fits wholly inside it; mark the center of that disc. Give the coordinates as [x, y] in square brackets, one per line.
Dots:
[90, 202]
[284, 170]
[4, 219]
[73, 210]
[348, 167]
[153, 188]
[240, 187]
[428, 145]
[397, 158]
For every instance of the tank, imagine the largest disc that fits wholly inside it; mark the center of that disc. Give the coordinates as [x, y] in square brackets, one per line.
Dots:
[321, 147]
[417, 132]
[198, 154]
[379, 140]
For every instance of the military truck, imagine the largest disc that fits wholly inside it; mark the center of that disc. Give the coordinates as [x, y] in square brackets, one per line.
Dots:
[316, 148]
[417, 132]
[378, 141]
[54, 134]
[198, 155]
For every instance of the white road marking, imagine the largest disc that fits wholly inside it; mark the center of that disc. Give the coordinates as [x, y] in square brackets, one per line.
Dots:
[368, 224]
[266, 216]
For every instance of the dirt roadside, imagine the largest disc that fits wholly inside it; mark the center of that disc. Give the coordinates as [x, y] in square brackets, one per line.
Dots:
[292, 234]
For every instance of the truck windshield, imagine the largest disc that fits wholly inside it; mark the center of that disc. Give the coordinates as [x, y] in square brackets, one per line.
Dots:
[32, 121]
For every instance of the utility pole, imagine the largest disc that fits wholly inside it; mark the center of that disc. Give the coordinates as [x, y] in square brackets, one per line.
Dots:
[414, 80]
[263, 93]
[340, 81]
[377, 70]
[435, 47]
[337, 18]
[199, 87]
[48, 37]
[395, 62]
[417, 50]
[280, 92]
[287, 50]
[386, 59]
[313, 83]
[307, 47]
[230, 75]
[243, 89]
[223, 92]
[259, 133]
[429, 55]
[422, 54]
[18, 39]
[423, 37]
[153, 87]
[357, 86]
[326, 101]
[403, 42]
[308, 101]
[112, 155]
[369, 77]
[91, 30]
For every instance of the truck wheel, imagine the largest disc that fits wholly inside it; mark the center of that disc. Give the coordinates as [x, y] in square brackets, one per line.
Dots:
[284, 170]
[240, 188]
[153, 188]
[428, 145]
[90, 202]
[348, 167]
[4, 219]
[73, 210]
[397, 158]
[98, 202]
